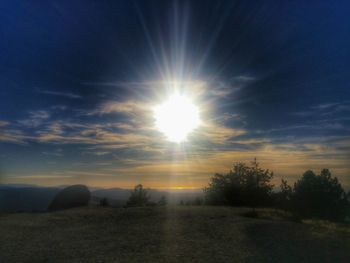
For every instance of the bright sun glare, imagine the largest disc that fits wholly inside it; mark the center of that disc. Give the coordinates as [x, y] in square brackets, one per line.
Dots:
[176, 117]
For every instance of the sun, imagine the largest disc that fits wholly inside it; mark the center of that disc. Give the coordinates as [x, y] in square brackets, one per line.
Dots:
[176, 117]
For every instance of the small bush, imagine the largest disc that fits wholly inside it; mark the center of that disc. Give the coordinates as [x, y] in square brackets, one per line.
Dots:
[163, 201]
[138, 197]
[104, 202]
[198, 201]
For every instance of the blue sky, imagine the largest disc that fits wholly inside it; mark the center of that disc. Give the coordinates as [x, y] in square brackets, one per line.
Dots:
[78, 82]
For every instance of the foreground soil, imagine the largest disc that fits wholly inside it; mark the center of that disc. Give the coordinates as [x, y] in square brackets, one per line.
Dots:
[168, 234]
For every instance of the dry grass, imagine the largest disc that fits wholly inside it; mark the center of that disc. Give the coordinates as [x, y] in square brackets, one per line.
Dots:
[168, 234]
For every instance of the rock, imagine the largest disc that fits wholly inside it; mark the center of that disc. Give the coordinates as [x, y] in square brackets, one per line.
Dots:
[72, 196]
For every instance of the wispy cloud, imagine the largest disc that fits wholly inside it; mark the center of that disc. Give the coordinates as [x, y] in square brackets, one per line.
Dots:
[58, 152]
[61, 94]
[324, 109]
[95, 134]
[217, 133]
[127, 107]
[52, 177]
[325, 106]
[287, 160]
[36, 118]
[59, 107]
[13, 136]
[224, 89]
[3, 123]
[133, 146]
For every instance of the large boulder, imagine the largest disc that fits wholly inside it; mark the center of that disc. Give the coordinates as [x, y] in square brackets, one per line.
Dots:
[72, 196]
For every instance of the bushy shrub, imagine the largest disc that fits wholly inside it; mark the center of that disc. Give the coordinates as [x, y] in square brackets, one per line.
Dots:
[198, 201]
[319, 196]
[104, 202]
[163, 201]
[243, 186]
[138, 197]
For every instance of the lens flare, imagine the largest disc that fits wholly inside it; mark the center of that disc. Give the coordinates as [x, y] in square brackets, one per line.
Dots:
[176, 117]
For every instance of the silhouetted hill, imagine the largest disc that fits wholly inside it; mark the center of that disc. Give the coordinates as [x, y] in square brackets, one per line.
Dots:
[72, 196]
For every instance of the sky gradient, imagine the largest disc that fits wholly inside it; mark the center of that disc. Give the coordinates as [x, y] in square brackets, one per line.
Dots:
[79, 80]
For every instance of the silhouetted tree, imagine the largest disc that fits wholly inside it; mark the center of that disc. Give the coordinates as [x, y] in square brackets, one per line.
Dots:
[319, 196]
[138, 197]
[163, 201]
[282, 198]
[104, 202]
[286, 189]
[242, 186]
[198, 201]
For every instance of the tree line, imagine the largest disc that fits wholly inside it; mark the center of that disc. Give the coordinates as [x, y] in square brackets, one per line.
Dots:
[312, 195]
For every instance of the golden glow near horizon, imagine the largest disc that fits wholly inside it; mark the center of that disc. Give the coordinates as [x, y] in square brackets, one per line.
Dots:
[176, 117]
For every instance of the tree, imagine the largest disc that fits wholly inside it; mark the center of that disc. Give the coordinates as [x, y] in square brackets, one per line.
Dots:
[243, 186]
[319, 196]
[216, 192]
[286, 189]
[198, 201]
[163, 201]
[282, 199]
[104, 202]
[138, 197]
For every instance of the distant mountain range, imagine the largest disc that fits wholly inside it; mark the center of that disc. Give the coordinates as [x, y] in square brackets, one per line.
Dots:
[33, 198]
[26, 198]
